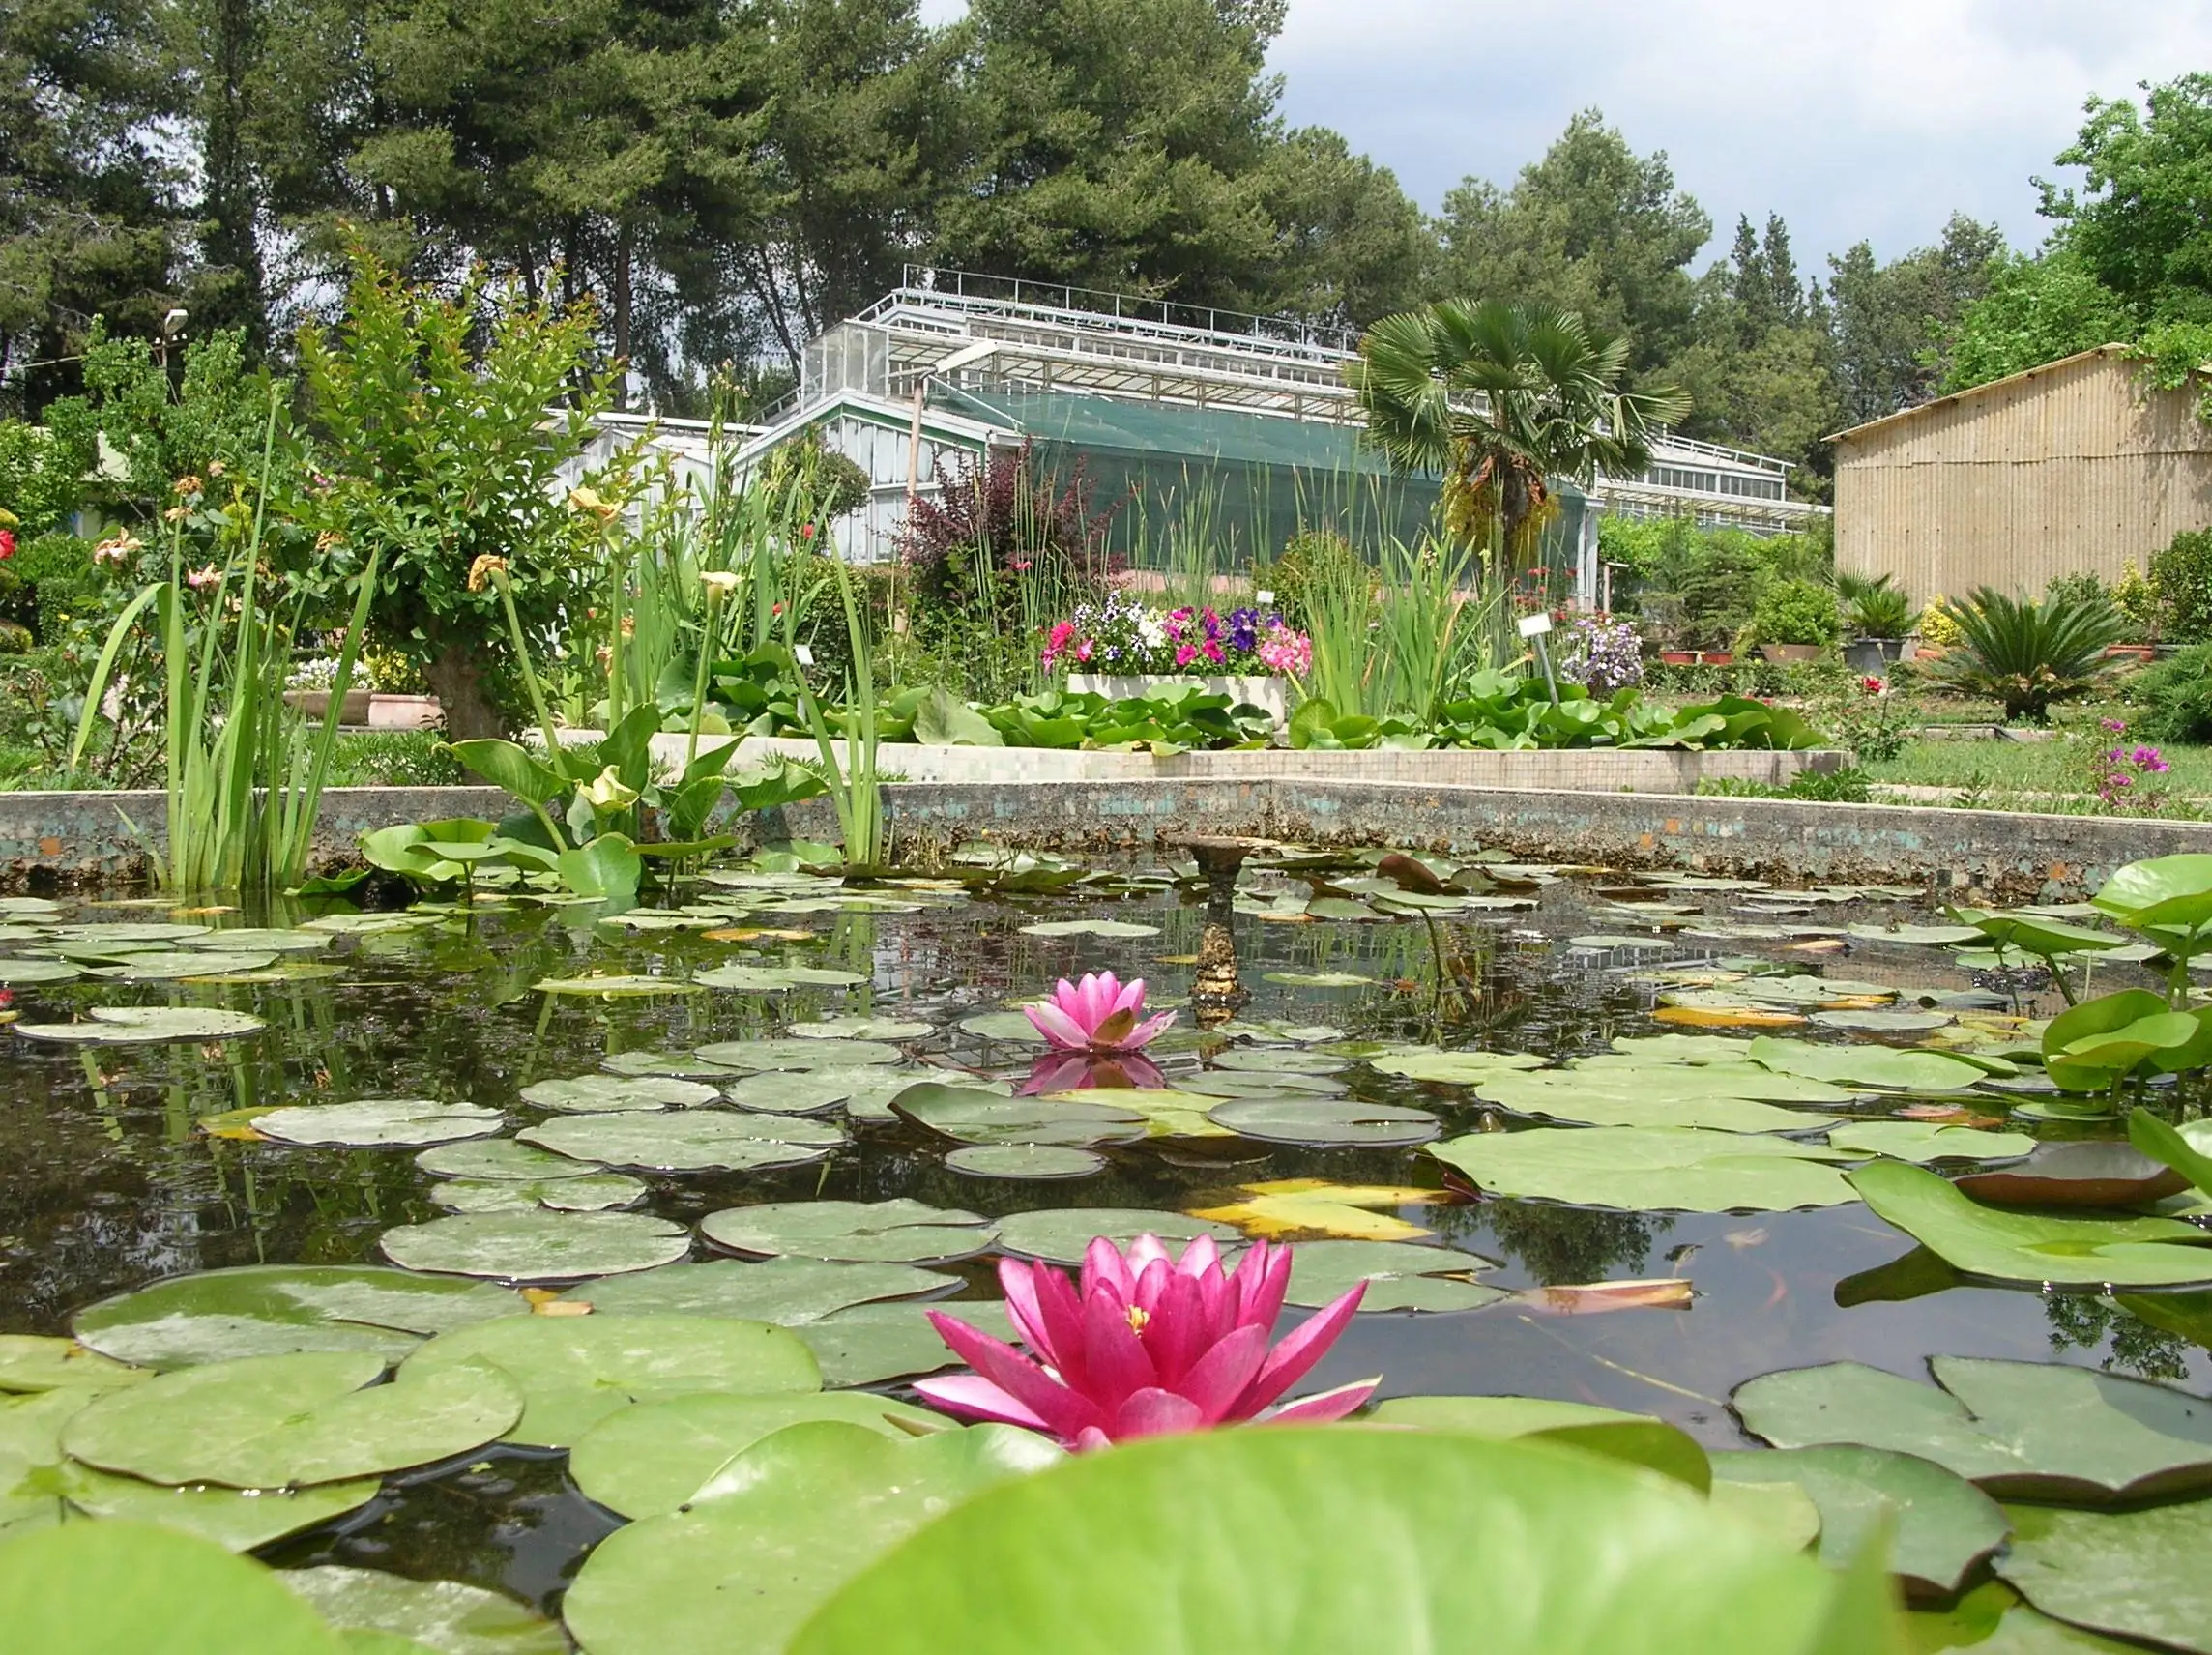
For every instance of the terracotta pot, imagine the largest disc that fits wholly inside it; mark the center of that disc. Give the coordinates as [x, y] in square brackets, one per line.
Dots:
[316, 704]
[2131, 652]
[1679, 657]
[1717, 657]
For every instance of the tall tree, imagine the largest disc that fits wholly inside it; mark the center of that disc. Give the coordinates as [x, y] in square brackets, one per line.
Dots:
[2036, 310]
[1349, 242]
[1893, 322]
[2141, 223]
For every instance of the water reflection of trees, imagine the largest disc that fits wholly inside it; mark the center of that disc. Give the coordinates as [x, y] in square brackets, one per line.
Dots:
[2082, 1322]
[1556, 1244]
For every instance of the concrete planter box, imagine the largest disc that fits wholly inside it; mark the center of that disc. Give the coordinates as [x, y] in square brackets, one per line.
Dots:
[404, 713]
[1271, 693]
[316, 704]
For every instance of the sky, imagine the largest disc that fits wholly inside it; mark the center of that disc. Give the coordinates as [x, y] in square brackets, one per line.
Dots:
[1860, 120]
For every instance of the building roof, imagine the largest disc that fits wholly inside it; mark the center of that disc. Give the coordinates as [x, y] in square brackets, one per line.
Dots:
[1971, 392]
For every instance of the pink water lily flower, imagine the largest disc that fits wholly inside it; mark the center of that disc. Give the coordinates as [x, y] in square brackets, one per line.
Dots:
[1147, 1345]
[1098, 1014]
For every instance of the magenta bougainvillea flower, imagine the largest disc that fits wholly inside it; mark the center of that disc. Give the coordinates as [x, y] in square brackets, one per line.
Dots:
[1098, 1014]
[1147, 1345]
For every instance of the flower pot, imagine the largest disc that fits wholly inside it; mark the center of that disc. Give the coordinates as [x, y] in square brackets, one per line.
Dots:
[1717, 657]
[1679, 657]
[1270, 693]
[404, 713]
[2130, 652]
[1789, 654]
[316, 704]
[1875, 654]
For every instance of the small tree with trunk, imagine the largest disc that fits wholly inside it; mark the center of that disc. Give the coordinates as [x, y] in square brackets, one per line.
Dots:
[440, 424]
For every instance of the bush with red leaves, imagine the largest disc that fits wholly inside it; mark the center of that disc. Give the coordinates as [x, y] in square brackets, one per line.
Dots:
[995, 521]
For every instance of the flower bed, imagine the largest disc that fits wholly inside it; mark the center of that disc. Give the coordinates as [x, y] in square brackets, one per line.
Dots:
[1124, 636]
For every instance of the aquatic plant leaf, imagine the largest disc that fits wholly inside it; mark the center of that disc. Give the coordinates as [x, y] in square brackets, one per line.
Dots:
[1923, 936]
[2083, 1174]
[1866, 1066]
[1367, 1535]
[2133, 1574]
[592, 1094]
[31, 1363]
[537, 1246]
[753, 1057]
[688, 1140]
[1316, 1207]
[1061, 1236]
[678, 1065]
[786, 1291]
[591, 1192]
[1325, 1120]
[238, 1520]
[1679, 1168]
[1994, 1619]
[1884, 1022]
[378, 1123]
[1455, 1068]
[1047, 1161]
[1723, 1014]
[1673, 1048]
[616, 986]
[970, 1115]
[2032, 1246]
[1399, 1276]
[899, 1231]
[1721, 1097]
[806, 1509]
[1090, 928]
[145, 1026]
[485, 1159]
[652, 1458]
[1003, 1025]
[166, 965]
[271, 1422]
[268, 1310]
[1929, 1141]
[1274, 1060]
[1319, 979]
[1938, 1525]
[1635, 1438]
[872, 1344]
[770, 980]
[136, 1587]
[1213, 1085]
[2021, 1429]
[856, 1027]
[573, 1371]
[441, 1615]
[32, 973]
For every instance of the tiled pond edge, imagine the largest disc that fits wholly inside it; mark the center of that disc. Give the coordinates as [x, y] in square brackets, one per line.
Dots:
[77, 837]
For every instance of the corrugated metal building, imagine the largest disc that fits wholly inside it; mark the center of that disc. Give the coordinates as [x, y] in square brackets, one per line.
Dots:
[2070, 467]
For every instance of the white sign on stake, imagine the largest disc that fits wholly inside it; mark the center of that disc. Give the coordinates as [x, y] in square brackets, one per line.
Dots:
[806, 655]
[1535, 625]
[1263, 598]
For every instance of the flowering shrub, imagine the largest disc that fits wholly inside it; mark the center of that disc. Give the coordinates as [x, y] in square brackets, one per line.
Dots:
[1124, 634]
[1603, 656]
[2120, 775]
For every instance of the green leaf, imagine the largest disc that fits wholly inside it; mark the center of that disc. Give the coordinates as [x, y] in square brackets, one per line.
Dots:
[378, 1121]
[2165, 892]
[586, 1094]
[945, 720]
[607, 866]
[688, 1141]
[1060, 1237]
[1649, 1168]
[899, 1231]
[1866, 1066]
[1325, 1120]
[970, 1115]
[1725, 1098]
[787, 1291]
[2137, 1574]
[238, 1520]
[2154, 1137]
[1635, 1437]
[1924, 1140]
[537, 1246]
[507, 764]
[1367, 1540]
[441, 1616]
[1940, 1525]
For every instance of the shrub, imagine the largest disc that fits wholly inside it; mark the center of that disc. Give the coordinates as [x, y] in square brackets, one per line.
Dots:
[2182, 573]
[2174, 697]
[1878, 610]
[2087, 586]
[2137, 600]
[1937, 626]
[1792, 612]
[2028, 655]
[994, 521]
[64, 583]
[1311, 561]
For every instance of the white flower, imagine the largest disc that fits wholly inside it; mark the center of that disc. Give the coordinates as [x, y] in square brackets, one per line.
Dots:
[607, 791]
[718, 583]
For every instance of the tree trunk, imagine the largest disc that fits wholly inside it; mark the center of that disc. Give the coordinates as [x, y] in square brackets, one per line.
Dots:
[458, 681]
[622, 274]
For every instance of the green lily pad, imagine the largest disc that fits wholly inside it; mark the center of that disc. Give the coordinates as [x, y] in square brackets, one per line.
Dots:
[1721, 1097]
[537, 1246]
[592, 1192]
[1003, 1025]
[2032, 1246]
[1926, 1141]
[782, 1291]
[32, 973]
[1635, 1437]
[1923, 936]
[805, 1510]
[1025, 1161]
[267, 939]
[378, 1123]
[1884, 1022]
[807, 1092]
[872, 1344]
[972, 1115]
[1090, 928]
[1234, 1083]
[238, 1520]
[2137, 1574]
[1399, 1275]
[1273, 1061]
[1940, 1525]
[144, 1025]
[1994, 1618]
[573, 1371]
[30, 1362]
[753, 1057]
[899, 1231]
[1679, 1168]
[487, 1159]
[1455, 1068]
[593, 1094]
[614, 986]
[269, 1422]
[689, 1142]
[268, 1310]
[2021, 1430]
[135, 1586]
[170, 966]
[676, 1065]
[1061, 1235]
[1324, 1121]
[769, 979]
[1866, 1066]
[31, 1457]
[1367, 1541]
[861, 1028]
[441, 1615]
[650, 1460]
[1317, 979]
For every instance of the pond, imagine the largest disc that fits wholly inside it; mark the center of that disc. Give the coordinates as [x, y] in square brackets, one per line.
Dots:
[133, 1162]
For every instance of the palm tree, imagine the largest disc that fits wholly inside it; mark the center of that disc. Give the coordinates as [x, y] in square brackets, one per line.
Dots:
[1501, 398]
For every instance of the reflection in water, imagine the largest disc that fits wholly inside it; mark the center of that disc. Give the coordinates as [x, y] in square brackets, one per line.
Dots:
[2084, 1321]
[1077, 1071]
[1559, 1245]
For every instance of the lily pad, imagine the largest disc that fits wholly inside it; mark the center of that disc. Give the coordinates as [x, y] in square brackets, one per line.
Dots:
[592, 1192]
[238, 1520]
[676, 1065]
[805, 1510]
[32, 973]
[269, 1422]
[770, 980]
[441, 1616]
[1325, 1122]
[1319, 1208]
[650, 1460]
[1455, 1068]
[782, 1291]
[1865, 1065]
[1940, 1525]
[1090, 928]
[857, 1027]
[1276, 1062]
[145, 1026]
[616, 986]
[1025, 1161]
[752, 1056]
[1635, 1438]
[1317, 979]
[167, 965]
[2032, 1246]
[972, 1115]
[590, 1094]
[1721, 1097]
[2137, 1574]
[1679, 1168]
[499, 1158]
[1884, 1022]
[537, 1246]
[1003, 1025]
[378, 1123]
[1399, 1276]
[30, 1362]
[2021, 1430]
[268, 1310]
[804, 1092]
[872, 1344]
[573, 1371]
[1061, 1235]
[1210, 1084]
[692, 1140]
[899, 1231]
[1929, 1141]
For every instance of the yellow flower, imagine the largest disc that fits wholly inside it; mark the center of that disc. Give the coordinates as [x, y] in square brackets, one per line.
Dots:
[591, 504]
[719, 583]
[8, 519]
[328, 539]
[485, 570]
[607, 791]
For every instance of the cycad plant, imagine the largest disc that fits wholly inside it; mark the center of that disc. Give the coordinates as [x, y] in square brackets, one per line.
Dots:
[2028, 655]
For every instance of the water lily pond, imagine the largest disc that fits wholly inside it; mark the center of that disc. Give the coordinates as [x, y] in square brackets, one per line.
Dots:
[616, 1194]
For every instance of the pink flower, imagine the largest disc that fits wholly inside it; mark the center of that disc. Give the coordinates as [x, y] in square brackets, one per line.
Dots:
[1145, 1346]
[1098, 1014]
[1082, 651]
[200, 579]
[1185, 655]
[1085, 1071]
[7, 544]
[1872, 685]
[2115, 725]
[1212, 649]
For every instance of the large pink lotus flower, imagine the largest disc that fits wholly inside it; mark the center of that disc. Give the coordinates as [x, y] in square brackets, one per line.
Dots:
[1147, 1345]
[1098, 1014]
